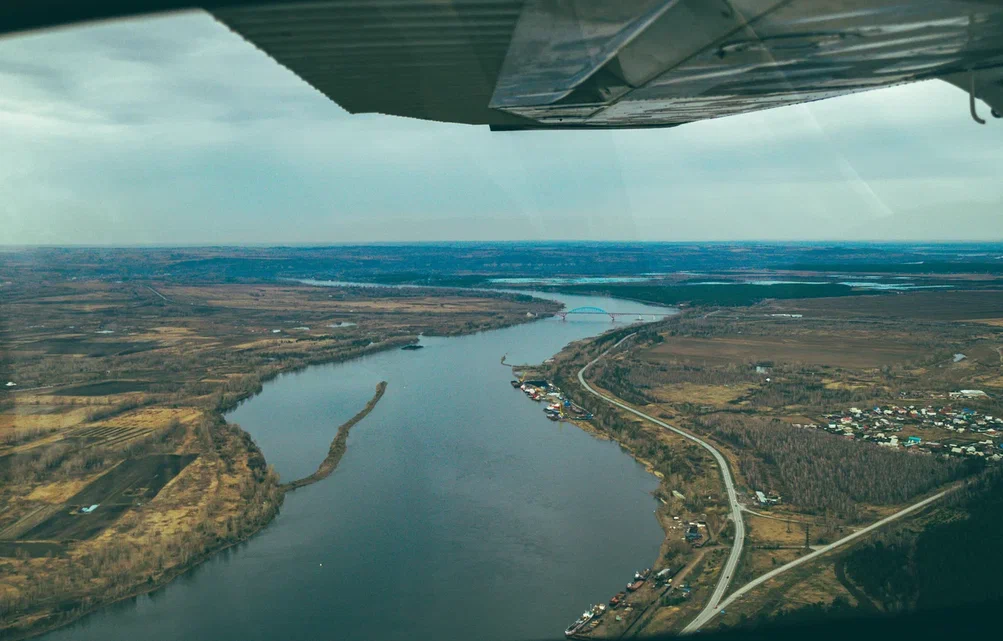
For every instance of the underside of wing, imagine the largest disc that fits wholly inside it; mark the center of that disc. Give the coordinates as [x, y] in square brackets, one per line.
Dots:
[623, 63]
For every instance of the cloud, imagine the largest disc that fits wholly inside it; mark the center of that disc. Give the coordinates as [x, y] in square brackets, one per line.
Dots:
[175, 130]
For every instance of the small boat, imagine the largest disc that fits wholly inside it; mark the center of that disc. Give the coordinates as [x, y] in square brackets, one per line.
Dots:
[411, 347]
[516, 384]
[579, 624]
[576, 626]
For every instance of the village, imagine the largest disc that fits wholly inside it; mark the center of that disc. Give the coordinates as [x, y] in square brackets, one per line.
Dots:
[909, 427]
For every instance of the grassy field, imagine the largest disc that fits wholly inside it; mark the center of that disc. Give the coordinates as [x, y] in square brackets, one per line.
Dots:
[856, 352]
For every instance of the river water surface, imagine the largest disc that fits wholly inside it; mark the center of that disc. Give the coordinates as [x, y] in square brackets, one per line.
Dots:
[458, 511]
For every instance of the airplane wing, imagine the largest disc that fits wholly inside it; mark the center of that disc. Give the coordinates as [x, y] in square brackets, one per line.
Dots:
[525, 64]
[620, 63]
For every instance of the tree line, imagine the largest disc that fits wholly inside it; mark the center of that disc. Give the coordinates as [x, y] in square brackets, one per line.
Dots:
[953, 561]
[820, 472]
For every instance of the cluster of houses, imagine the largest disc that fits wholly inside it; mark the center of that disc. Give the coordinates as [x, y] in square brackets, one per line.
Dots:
[881, 425]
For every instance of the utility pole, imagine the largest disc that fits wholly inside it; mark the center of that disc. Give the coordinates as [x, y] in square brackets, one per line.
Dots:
[807, 536]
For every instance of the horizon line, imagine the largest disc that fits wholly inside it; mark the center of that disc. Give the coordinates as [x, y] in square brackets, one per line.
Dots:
[365, 243]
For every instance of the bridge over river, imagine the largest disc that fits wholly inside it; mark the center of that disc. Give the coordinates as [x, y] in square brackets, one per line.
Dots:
[613, 316]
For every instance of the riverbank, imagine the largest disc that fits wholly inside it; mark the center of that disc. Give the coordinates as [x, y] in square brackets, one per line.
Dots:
[689, 514]
[631, 606]
[154, 398]
[246, 499]
[338, 445]
[326, 468]
[426, 432]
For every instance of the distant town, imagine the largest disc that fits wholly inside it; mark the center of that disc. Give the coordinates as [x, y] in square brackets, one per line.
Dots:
[896, 426]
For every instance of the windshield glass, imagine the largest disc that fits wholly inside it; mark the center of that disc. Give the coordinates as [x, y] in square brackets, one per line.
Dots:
[497, 320]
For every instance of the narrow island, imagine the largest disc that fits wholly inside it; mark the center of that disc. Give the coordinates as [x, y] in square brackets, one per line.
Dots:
[338, 445]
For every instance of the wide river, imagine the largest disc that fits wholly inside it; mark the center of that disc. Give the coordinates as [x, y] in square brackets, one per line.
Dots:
[458, 512]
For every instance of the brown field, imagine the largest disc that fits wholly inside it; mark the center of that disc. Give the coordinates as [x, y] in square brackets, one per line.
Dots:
[42, 417]
[771, 531]
[979, 305]
[58, 492]
[303, 299]
[756, 562]
[701, 394]
[150, 417]
[835, 351]
[119, 403]
[132, 482]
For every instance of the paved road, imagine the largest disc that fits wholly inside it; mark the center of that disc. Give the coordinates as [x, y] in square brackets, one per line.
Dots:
[705, 616]
[736, 510]
[157, 293]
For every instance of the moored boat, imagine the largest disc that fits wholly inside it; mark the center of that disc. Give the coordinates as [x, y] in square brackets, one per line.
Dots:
[594, 612]
[578, 624]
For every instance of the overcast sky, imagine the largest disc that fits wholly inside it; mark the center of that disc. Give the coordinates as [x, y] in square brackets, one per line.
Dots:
[174, 130]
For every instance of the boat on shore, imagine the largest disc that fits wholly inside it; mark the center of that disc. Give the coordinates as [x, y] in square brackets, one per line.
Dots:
[639, 580]
[592, 613]
[577, 625]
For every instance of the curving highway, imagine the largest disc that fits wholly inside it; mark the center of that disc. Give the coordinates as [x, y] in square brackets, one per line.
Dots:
[736, 509]
[704, 616]
[715, 604]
